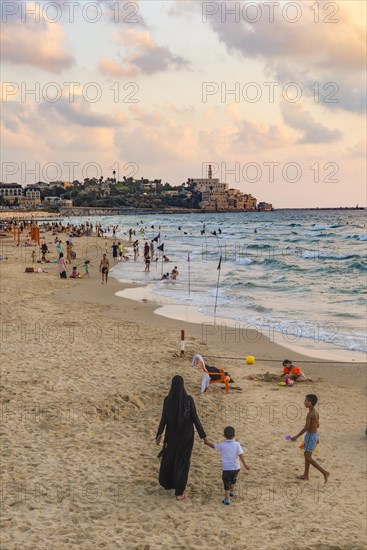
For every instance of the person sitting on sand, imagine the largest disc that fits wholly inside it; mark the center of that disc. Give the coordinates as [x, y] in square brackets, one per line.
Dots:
[294, 373]
[165, 259]
[74, 273]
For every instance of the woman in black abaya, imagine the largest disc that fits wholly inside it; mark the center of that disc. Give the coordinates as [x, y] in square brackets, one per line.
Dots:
[178, 417]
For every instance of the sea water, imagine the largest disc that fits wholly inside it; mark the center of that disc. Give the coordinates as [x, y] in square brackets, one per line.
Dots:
[300, 274]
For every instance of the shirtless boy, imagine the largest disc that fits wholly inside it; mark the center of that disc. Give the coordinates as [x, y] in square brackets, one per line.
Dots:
[104, 267]
[311, 438]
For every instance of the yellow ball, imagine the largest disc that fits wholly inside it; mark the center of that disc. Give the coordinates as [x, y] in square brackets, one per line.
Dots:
[250, 359]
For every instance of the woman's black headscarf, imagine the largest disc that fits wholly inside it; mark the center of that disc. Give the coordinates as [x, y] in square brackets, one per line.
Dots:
[177, 401]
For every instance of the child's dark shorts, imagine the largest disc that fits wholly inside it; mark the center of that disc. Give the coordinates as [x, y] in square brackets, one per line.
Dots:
[229, 478]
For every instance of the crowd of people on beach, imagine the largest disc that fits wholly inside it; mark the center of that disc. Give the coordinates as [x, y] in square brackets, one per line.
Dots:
[59, 229]
[118, 251]
[66, 255]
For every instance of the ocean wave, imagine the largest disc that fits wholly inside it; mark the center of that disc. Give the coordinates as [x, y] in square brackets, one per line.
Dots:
[316, 227]
[258, 246]
[261, 309]
[283, 265]
[247, 284]
[346, 315]
[315, 255]
[358, 237]
[323, 235]
[244, 261]
[362, 266]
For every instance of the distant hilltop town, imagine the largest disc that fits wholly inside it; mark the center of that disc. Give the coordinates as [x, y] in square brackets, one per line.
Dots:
[217, 197]
[204, 194]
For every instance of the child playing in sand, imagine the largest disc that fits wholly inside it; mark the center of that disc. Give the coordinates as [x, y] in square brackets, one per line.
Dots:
[74, 273]
[232, 454]
[311, 438]
[292, 372]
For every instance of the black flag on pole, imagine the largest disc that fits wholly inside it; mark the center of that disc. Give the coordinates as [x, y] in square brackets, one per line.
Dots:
[156, 239]
[216, 295]
[161, 247]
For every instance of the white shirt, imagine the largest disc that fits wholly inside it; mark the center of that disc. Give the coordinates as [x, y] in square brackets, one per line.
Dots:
[231, 450]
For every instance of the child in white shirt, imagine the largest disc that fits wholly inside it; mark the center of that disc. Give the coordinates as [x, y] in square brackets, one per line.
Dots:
[232, 454]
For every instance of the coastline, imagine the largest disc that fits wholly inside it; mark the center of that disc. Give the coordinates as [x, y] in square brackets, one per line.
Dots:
[304, 347]
[84, 376]
[203, 337]
[41, 215]
[28, 215]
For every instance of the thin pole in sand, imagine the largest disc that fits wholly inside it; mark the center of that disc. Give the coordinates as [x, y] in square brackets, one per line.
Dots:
[161, 249]
[188, 261]
[182, 342]
[216, 296]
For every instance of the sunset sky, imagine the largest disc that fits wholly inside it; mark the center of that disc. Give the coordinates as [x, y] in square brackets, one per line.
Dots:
[163, 88]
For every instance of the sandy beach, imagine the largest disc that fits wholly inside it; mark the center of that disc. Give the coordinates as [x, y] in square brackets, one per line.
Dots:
[7, 215]
[84, 374]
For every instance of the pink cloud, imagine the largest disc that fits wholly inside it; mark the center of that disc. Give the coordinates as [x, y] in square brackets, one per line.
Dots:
[338, 39]
[310, 129]
[109, 67]
[39, 44]
[141, 56]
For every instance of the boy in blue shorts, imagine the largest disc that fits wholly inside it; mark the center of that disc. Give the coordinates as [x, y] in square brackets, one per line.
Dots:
[311, 438]
[232, 454]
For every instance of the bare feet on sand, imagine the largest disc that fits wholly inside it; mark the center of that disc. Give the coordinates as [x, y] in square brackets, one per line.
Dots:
[326, 477]
[181, 497]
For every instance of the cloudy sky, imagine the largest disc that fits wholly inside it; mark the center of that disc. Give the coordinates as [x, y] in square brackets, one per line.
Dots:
[271, 93]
